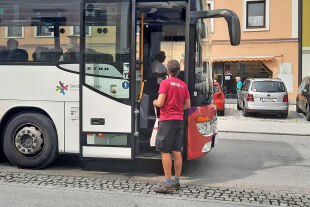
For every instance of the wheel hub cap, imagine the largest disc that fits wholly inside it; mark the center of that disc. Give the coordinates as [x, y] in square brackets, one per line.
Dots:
[28, 140]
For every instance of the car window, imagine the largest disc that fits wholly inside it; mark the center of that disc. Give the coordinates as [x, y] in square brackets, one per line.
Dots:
[247, 86]
[268, 86]
[303, 83]
[243, 86]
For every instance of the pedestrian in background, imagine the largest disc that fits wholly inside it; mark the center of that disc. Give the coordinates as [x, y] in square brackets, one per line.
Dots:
[172, 100]
[239, 84]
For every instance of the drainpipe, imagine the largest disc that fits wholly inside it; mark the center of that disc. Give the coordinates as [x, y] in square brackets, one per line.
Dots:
[299, 41]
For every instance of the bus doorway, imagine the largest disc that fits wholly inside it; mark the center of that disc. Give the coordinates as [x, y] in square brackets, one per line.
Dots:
[160, 33]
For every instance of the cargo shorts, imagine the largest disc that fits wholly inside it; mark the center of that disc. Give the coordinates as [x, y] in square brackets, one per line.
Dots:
[169, 136]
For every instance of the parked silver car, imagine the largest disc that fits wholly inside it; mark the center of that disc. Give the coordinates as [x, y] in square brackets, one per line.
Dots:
[264, 96]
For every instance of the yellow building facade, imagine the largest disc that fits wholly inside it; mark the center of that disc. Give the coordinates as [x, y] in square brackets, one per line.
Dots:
[305, 38]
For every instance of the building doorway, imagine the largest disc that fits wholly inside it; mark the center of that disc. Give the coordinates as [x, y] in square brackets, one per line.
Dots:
[226, 72]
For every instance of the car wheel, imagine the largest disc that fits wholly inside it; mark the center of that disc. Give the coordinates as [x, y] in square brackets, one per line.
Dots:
[221, 113]
[297, 107]
[308, 113]
[245, 112]
[238, 106]
[30, 140]
[284, 115]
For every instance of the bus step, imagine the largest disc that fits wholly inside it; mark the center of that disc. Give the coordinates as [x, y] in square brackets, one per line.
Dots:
[149, 155]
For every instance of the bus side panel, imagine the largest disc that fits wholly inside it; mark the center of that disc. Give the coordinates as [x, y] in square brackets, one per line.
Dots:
[72, 132]
[196, 145]
[47, 88]
[54, 109]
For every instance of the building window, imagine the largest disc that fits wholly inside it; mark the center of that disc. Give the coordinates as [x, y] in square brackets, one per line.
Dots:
[44, 31]
[256, 15]
[76, 30]
[15, 32]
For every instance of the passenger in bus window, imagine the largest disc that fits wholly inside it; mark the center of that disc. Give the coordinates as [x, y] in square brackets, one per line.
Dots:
[40, 54]
[15, 54]
[72, 54]
[159, 71]
[172, 100]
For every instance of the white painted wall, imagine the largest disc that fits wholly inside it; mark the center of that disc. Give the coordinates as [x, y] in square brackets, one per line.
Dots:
[294, 18]
[305, 62]
[287, 76]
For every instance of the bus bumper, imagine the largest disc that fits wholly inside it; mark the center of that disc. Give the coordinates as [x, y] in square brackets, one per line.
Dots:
[201, 136]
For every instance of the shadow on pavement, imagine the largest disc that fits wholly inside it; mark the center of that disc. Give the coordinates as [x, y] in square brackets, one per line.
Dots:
[233, 159]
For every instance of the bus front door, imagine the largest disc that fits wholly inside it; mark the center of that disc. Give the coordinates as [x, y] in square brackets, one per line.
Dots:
[107, 79]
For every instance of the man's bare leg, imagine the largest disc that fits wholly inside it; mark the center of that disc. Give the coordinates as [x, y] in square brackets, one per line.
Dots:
[177, 163]
[167, 164]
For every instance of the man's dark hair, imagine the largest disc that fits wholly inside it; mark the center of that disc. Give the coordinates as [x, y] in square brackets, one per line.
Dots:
[160, 56]
[173, 68]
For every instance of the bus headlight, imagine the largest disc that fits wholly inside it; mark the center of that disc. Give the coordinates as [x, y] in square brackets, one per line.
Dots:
[206, 128]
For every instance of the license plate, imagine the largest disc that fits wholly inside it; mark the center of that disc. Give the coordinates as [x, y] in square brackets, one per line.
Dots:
[269, 99]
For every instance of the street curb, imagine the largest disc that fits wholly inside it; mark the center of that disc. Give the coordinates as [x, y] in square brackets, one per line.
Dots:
[164, 196]
[268, 133]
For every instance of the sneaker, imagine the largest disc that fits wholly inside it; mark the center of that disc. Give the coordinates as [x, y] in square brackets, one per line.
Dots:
[165, 188]
[176, 186]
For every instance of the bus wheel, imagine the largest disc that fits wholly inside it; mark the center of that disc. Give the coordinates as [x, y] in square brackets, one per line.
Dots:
[30, 140]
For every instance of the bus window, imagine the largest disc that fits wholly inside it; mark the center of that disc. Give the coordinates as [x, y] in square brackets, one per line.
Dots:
[107, 50]
[174, 43]
[37, 33]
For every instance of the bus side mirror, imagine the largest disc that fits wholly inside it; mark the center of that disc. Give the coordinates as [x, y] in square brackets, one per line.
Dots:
[230, 17]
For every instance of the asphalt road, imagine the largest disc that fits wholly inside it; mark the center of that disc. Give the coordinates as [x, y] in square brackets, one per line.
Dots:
[269, 163]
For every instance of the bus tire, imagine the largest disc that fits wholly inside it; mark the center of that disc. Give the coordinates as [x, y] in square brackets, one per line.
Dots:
[30, 140]
[2, 156]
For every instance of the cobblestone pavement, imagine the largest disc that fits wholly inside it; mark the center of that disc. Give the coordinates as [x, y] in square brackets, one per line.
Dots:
[232, 113]
[194, 192]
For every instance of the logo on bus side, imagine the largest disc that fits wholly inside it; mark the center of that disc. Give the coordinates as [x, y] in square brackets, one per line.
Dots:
[62, 88]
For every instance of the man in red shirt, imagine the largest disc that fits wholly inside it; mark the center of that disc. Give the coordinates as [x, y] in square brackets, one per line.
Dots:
[173, 98]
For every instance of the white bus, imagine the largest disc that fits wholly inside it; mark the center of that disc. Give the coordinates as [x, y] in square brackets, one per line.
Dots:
[76, 78]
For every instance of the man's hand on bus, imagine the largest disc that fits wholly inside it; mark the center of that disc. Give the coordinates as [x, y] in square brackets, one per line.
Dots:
[187, 104]
[159, 102]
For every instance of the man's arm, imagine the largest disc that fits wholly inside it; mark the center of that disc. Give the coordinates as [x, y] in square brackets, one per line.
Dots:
[159, 102]
[186, 104]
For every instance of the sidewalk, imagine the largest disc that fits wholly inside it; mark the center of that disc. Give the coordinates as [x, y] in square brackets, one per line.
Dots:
[234, 121]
